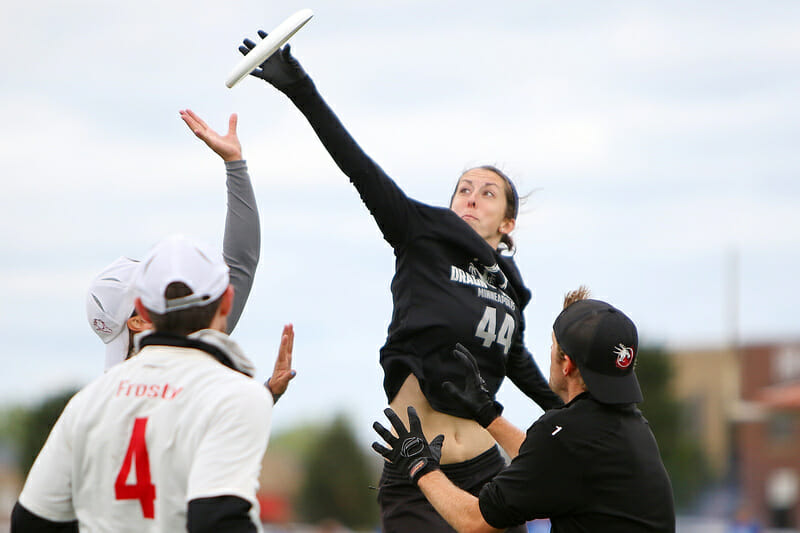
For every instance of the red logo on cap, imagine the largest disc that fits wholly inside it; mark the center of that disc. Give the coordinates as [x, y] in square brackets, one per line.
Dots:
[100, 326]
[624, 355]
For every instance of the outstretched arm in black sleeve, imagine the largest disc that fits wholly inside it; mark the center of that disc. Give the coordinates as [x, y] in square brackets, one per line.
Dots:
[388, 204]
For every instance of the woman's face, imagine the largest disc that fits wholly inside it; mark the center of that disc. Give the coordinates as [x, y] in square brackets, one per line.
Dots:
[480, 200]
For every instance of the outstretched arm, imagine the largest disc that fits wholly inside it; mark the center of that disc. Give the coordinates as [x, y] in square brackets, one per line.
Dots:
[388, 204]
[241, 245]
[459, 508]
[507, 435]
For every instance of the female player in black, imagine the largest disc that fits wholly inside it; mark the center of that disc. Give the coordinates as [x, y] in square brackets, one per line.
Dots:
[451, 285]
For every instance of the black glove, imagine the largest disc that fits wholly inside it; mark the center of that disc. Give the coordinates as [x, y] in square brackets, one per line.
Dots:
[409, 452]
[474, 396]
[281, 69]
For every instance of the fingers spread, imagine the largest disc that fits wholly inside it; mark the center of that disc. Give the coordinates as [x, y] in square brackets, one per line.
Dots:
[188, 120]
[194, 122]
[196, 118]
[414, 424]
[386, 452]
[397, 424]
[384, 433]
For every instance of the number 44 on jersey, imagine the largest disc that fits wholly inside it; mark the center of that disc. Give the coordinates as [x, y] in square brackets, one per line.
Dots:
[487, 329]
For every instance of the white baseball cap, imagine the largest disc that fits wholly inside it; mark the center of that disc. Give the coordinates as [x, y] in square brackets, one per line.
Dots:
[109, 305]
[178, 258]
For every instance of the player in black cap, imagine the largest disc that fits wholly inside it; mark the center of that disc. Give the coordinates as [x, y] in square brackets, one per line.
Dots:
[592, 465]
[452, 284]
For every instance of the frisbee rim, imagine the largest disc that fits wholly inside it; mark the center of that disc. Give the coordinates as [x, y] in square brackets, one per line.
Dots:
[268, 46]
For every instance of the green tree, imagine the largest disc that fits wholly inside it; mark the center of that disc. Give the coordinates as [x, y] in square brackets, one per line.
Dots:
[13, 422]
[39, 420]
[682, 455]
[338, 479]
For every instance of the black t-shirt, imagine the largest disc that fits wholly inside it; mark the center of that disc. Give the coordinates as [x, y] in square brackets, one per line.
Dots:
[587, 467]
[449, 286]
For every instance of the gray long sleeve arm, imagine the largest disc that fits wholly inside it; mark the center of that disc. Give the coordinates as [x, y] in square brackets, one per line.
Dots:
[241, 245]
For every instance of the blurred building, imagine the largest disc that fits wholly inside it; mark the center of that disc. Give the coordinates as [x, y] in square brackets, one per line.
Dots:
[768, 436]
[743, 406]
[707, 383]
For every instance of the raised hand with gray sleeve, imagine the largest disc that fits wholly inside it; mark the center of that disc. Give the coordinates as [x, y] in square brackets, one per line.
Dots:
[241, 245]
[109, 306]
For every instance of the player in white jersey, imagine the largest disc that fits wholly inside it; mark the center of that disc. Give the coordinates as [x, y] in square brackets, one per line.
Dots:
[172, 439]
[109, 303]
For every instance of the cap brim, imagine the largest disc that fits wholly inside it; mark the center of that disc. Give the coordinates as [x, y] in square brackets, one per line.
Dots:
[117, 349]
[612, 389]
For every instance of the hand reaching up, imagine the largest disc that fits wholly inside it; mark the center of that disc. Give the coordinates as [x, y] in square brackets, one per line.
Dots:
[283, 372]
[227, 147]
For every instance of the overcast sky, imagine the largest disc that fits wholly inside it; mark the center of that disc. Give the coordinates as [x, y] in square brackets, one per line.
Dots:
[658, 142]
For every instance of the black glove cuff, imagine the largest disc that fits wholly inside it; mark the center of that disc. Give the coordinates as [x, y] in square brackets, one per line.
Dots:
[421, 467]
[489, 413]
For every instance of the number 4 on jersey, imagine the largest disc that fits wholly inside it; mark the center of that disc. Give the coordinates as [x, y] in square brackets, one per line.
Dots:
[487, 327]
[143, 490]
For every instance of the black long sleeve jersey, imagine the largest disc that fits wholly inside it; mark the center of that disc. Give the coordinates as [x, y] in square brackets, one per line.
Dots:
[449, 286]
[587, 467]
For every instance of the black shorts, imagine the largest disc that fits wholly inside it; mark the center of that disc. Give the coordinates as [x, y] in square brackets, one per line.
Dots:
[404, 509]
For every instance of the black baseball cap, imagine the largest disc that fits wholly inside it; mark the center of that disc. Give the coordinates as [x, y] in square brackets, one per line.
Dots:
[603, 342]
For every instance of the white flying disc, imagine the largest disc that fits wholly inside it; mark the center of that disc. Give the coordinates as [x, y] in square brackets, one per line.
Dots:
[268, 46]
